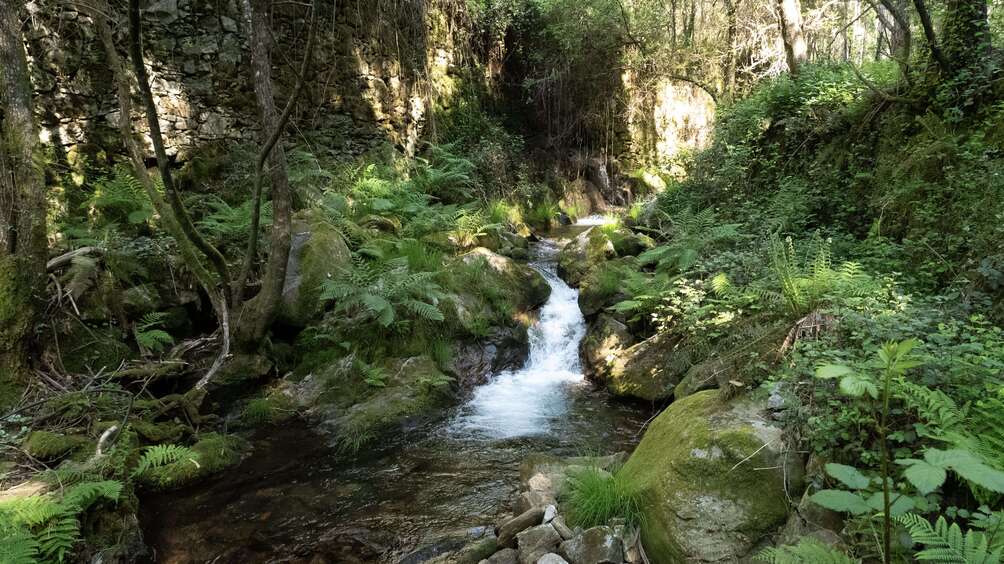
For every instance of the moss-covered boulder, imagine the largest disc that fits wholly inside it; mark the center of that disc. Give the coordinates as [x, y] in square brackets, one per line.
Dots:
[583, 254]
[649, 370]
[714, 478]
[318, 251]
[46, 445]
[526, 287]
[605, 340]
[603, 286]
[353, 403]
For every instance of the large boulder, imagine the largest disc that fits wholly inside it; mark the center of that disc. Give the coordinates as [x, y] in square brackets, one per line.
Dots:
[337, 398]
[603, 286]
[583, 254]
[647, 370]
[714, 478]
[605, 340]
[598, 545]
[318, 251]
[528, 286]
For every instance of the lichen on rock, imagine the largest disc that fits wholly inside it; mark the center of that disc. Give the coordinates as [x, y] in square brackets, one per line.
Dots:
[714, 477]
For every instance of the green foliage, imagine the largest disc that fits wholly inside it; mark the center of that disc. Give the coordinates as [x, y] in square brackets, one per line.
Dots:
[148, 334]
[46, 528]
[120, 198]
[807, 287]
[386, 294]
[805, 552]
[157, 456]
[594, 496]
[947, 543]
[230, 225]
[689, 233]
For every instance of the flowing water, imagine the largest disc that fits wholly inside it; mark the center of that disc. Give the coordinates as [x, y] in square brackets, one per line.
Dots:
[297, 500]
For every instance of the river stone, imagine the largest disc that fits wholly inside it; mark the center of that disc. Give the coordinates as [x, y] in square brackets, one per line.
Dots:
[599, 545]
[504, 556]
[583, 254]
[712, 477]
[508, 531]
[550, 512]
[647, 370]
[605, 340]
[536, 542]
[559, 525]
[551, 558]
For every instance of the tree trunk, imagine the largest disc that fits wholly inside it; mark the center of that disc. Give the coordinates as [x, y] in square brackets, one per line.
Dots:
[795, 49]
[966, 34]
[730, 54]
[258, 314]
[22, 209]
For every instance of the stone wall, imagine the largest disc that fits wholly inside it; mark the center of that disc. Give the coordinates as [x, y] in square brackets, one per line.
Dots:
[379, 68]
[666, 119]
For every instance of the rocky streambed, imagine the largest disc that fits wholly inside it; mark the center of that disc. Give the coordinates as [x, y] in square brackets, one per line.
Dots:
[419, 494]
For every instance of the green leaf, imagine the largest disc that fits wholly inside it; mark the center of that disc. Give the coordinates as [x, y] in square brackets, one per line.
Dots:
[899, 504]
[831, 371]
[924, 476]
[982, 475]
[848, 475]
[840, 500]
[856, 385]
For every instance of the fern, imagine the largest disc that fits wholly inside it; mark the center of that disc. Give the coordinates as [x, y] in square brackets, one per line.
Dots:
[232, 224]
[17, 545]
[689, 234]
[149, 336]
[385, 292]
[120, 197]
[948, 543]
[161, 455]
[805, 552]
[806, 287]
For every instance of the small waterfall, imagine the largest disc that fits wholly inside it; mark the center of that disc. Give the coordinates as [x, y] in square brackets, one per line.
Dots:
[524, 402]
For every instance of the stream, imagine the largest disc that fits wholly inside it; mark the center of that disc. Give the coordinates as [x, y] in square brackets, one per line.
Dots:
[297, 500]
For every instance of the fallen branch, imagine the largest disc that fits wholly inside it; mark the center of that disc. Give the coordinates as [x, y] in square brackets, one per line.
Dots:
[67, 258]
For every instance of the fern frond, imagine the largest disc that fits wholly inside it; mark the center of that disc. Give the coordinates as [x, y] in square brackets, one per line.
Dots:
[161, 455]
[805, 552]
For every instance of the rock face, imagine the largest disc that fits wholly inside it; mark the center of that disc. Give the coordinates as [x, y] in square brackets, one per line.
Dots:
[605, 340]
[583, 254]
[646, 370]
[713, 480]
[317, 253]
[536, 542]
[599, 545]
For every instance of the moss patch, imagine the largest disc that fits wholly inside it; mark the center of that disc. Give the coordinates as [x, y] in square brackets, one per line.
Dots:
[696, 470]
[212, 453]
[46, 445]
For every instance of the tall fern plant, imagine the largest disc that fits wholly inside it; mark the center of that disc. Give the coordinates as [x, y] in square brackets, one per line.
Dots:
[385, 294]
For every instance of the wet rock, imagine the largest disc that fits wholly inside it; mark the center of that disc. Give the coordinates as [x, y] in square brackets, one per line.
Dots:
[533, 289]
[510, 529]
[604, 342]
[473, 362]
[535, 542]
[713, 476]
[551, 558]
[583, 254]
[504, 556]
[647, 370]
[599, 545]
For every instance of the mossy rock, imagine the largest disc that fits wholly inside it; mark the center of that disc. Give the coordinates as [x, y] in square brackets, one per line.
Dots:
[583, 254]
[603, 286]
[712, 476]
[414, 388]
[165, 432]
[605, 340]
[318, 251]
[242, 369]
[649, 370]
[46, 445]
[212, 453]
[527, 287]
